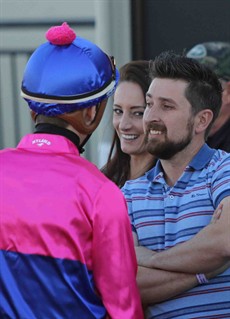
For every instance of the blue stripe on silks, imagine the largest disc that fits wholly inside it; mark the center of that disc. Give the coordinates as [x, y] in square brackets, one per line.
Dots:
[35, 287]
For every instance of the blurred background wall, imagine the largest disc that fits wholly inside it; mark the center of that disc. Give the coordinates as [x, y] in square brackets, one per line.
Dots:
[23, 24]
[126, 29]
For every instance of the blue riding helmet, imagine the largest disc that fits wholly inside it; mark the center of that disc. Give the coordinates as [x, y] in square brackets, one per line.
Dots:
[67, 73]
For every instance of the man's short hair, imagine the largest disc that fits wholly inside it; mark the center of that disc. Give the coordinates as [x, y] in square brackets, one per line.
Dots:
[204, 90]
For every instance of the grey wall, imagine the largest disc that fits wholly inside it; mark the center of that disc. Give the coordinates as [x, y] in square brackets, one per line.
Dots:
[111, 31]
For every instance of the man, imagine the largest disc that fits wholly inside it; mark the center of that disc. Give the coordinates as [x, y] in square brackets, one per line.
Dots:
[180, 251]
[216, 55]
[66, 247]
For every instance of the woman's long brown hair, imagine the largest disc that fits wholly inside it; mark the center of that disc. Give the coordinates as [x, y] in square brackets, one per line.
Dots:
[117, 167]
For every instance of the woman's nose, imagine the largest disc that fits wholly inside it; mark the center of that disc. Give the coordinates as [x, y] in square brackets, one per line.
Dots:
[125, 122]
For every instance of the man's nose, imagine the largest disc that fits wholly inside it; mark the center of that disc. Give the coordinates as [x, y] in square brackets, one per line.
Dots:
[151, 115]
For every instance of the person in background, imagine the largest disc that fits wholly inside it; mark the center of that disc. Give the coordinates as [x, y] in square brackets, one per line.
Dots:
[216, 55]
[128, 157]
[66, 248]
[183, 255]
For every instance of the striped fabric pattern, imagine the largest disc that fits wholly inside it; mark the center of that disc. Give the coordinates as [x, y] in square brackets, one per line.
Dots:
[164, 216]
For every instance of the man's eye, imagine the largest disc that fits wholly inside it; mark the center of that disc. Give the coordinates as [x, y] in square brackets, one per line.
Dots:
[166, 106]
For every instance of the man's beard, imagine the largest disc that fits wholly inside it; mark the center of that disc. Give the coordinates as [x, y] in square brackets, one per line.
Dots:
[167, 149]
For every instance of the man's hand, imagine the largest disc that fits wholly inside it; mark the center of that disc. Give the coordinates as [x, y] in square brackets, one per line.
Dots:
[144, 255]
[218, 271]
[217, 213]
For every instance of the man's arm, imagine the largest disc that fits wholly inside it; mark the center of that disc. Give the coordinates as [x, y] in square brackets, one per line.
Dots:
[157, 285]
[205, 252]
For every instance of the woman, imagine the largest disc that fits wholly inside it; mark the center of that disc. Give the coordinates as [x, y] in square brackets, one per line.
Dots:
[128, 157]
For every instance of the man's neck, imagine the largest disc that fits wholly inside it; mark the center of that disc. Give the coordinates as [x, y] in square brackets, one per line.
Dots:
[57, 130]
[175, 166]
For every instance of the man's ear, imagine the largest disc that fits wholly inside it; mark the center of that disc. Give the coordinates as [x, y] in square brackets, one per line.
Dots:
[85, 121]
[202, 120]
[88, 115]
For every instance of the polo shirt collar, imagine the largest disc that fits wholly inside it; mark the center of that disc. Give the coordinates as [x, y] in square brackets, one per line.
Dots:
[202, 158]
[199, 161]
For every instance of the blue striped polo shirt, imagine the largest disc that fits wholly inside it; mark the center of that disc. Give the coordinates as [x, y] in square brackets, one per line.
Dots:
[164, 216]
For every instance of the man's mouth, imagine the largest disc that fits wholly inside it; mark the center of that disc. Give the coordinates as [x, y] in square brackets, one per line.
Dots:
[154, 132]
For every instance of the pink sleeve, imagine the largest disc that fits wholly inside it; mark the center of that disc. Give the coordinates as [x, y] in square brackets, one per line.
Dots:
[114, 260]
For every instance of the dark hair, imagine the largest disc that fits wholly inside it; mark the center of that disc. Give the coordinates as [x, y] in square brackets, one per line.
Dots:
[204, 90]
[117, 167]
[136, 72]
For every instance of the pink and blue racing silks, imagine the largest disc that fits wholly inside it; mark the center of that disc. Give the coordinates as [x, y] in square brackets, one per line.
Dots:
[66, 248]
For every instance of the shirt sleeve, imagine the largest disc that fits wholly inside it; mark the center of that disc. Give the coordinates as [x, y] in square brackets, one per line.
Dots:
[114, 259]
[128, 199]
[220, 184]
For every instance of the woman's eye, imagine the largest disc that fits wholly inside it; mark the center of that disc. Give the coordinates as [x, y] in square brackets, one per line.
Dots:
[139, 114]
[117, 111]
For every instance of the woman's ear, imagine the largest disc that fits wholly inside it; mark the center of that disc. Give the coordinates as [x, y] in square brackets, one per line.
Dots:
[202, 120]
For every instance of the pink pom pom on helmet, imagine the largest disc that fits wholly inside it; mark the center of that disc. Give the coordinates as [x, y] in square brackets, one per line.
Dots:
[60, 35]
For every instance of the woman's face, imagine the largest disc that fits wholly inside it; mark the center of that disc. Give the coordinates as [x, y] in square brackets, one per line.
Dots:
[128, 110]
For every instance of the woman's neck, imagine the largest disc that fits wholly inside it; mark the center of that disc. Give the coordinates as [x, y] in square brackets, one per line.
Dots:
[139, 164]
